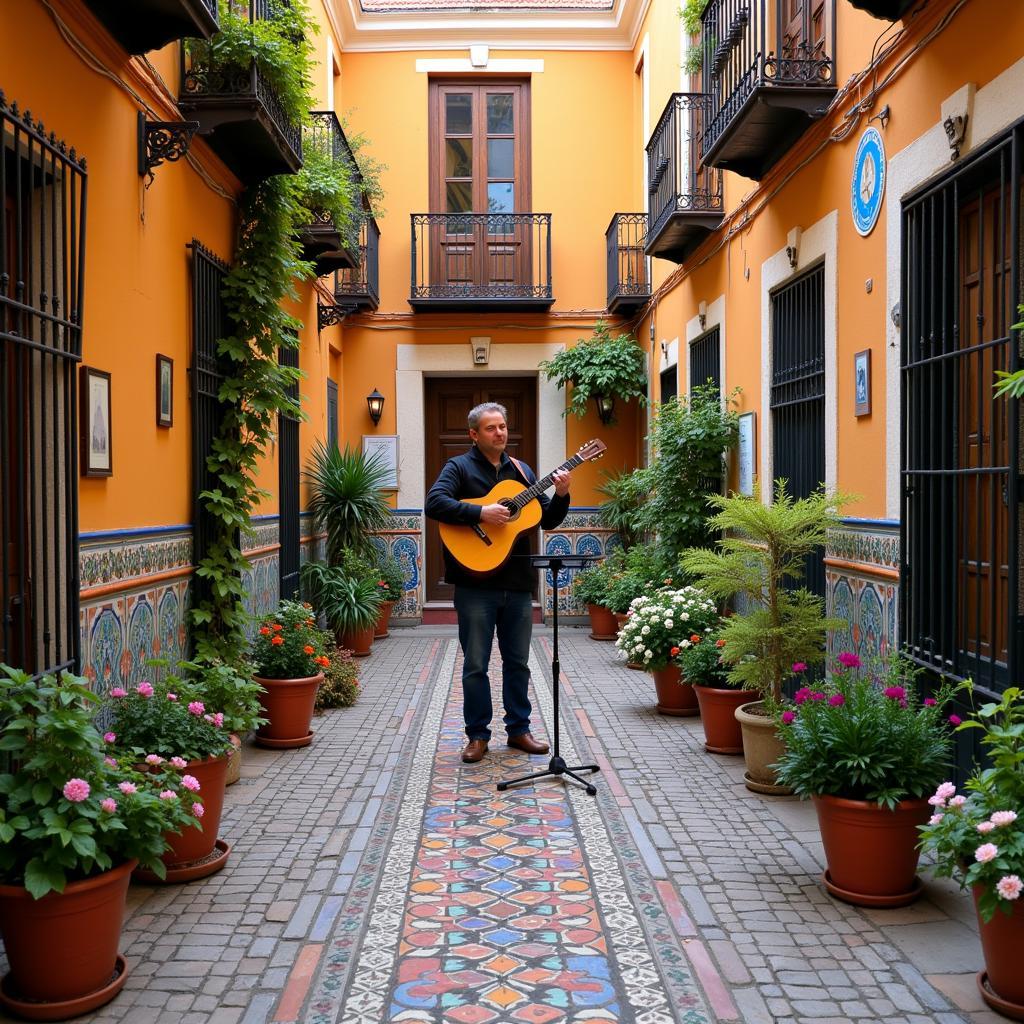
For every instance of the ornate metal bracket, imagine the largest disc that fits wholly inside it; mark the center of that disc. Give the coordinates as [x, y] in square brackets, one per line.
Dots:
[956, 128]
[162, 142]
[329, 316]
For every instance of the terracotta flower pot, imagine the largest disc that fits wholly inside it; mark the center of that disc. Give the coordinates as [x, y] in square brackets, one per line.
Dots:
[358, 641]
[234, 761]
[380, 630]
[194, 844]
[288, 706]
[675, 697]
[1002, 939]
[718, 713]
[762, 747]
[602, 622]
[63, 948]
[871, 851]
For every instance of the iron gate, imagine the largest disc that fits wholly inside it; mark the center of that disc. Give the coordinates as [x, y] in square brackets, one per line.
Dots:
[798, 396]
[960, 452]
[288, 486]
[704, 360]
[42, 274]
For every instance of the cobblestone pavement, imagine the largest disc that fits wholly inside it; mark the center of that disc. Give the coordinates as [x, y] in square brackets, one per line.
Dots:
[356, 889]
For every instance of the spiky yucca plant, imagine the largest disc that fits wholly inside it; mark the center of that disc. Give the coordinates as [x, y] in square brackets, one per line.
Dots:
[762, 550]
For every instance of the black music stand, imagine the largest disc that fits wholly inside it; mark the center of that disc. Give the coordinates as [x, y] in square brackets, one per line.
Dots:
[557, 766]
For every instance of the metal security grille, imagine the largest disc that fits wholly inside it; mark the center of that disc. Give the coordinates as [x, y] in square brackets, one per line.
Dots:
[288, 486]
[798, 396]
[332, 413]
[705, 364]
[209, 323]
[960, 452]
[42, 264]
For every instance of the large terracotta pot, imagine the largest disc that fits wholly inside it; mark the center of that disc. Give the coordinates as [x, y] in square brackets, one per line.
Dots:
[1002, 981]
[602, 622]
[718, 713]
[358, 641]
[288, 706]
[194, 844]
[380, 630]
[871, 851]
[762, 747]
[63, 948]
[675, 697]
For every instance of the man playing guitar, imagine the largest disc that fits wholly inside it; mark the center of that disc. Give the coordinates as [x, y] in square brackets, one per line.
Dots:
[500, 600]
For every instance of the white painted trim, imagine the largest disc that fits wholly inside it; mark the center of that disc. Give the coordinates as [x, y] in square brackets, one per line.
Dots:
[463, 66]
[820, 240]
[329, 65]
[995, 107]
[715, 318]
[668, 360]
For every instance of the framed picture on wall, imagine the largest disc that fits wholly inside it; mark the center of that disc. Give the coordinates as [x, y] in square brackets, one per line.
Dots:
[94, 404]
[746, 452]
[164, 391]
[385, 447]
[862, 383]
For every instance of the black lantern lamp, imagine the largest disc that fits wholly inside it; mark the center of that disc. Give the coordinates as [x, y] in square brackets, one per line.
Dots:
[605, 407]
[375, 403]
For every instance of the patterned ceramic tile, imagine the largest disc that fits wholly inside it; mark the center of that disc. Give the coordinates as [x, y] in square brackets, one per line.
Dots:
[105, 562]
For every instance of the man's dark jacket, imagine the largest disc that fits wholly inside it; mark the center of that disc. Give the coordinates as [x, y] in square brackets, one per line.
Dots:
[472, 475]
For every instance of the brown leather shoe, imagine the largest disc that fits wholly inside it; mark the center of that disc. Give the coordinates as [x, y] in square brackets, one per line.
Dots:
[474, 751]
[526, 742]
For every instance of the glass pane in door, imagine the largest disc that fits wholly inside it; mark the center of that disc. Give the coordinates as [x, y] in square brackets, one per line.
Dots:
[500, 158]
[500, 197]
[500, 116]
[458, 114]
[458, 158]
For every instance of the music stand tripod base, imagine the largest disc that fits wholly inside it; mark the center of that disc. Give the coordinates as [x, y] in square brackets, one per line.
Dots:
[557, 768]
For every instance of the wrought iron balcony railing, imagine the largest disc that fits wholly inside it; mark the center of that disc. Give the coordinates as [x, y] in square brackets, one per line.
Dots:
[684, 197]
[149, 24]
[768, 77]
[359, 286]
[481, 261]
[629, 285]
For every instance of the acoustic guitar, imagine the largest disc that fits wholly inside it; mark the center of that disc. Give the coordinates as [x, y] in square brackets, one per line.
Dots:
[485, 547]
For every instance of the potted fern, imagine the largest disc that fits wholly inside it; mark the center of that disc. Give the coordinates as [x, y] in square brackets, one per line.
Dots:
[759, 558]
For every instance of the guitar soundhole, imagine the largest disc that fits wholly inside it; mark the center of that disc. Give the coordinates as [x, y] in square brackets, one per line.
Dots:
[513, 512]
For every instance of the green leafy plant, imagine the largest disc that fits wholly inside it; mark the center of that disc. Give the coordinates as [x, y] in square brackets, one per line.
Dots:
[231, 691]
[346, 498]
[690, 14]
[865, 735]
[68, 810]
[348, 603]
[340, 688]
[630, 574]
[590, 585]
[330, 187]
[663, 624]
[390, 578]
[978, 838]
[701, 663]
[761, 553]
[599, 366]
[625, 493]
[288, 644]
[1011, 384]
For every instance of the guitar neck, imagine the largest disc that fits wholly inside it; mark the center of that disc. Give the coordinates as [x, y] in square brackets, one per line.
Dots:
[522, 499]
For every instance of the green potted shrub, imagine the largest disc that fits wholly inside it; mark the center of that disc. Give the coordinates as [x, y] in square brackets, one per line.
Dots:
[868, 750]
[349, 603]
[977, 838]
[624, 495]
[340, 688]
[73, 824]
[167, 723]
[590, 587]
[289, 652]
[761, 554]
[391, 586]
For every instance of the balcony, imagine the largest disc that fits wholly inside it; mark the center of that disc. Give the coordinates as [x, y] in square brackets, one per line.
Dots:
[767, 79]
[322, 240]
[358, 286]
[481, 261]
[239, 114]
[629, 287]
[887, 10]
[684, 197]
[149, 24]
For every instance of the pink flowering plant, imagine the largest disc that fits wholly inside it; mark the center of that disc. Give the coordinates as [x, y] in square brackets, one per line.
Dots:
[167, 719]
[663, 624]
[977, 836]
[865, 734]
[68, 809]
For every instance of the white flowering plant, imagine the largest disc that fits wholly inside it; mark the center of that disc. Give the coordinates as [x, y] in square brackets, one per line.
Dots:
[664, 623]
[977, 837]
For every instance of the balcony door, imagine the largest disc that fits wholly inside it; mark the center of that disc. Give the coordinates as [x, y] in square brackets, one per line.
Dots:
[803, 29]
[479, 164]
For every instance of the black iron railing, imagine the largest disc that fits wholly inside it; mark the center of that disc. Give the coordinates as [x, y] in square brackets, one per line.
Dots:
[676, 180]
[459, 257]
[42, 277]
[627, 264]
[360, 286]
[748, 45]
[324, 135]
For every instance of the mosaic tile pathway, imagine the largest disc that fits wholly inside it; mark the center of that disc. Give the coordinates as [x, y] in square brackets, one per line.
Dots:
[477, 907]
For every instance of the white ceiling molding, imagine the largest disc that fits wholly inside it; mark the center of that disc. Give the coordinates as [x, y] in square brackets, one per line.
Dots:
[439, 65]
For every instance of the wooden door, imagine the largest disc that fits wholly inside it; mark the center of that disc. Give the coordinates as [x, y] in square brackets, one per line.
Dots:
[802, 27]
[447, 403]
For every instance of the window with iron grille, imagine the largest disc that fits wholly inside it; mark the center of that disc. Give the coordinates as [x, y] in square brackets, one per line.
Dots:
[42, 260]
[669, 383]
[798, 396]
[288, 487]
[705, 360]
[960, 452]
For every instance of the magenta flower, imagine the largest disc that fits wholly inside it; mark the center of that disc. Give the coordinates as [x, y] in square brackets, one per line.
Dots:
[848, 659]
[154, 759]
[1001, 818]
[191, 783]
[788, 717]
[929, 702]
[198, 810]
[218, 719]
[76, 790]
[799, 666]
[127, 788]
[1009, 887]
[802, 694]
[109, 737]
[817, 695]
[955, 719]
[118, 691]
[109, 805]
[895, 692]
[168, 794]
[179, 762]
[837, 700]
[196, 708]
[144, 689]
[172, 697]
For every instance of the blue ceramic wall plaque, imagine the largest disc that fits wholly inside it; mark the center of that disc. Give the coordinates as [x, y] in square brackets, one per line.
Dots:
[868, 185]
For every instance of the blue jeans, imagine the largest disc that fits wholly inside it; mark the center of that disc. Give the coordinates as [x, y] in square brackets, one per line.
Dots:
[480, 613]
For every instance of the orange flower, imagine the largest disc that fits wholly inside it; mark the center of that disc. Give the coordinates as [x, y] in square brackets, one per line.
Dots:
[277, 641]
[695, 638]
[265, 630]
[309, 649]
[674, 652]
[323, 660]
[277, 627]
[309, 622]
[719, 642]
